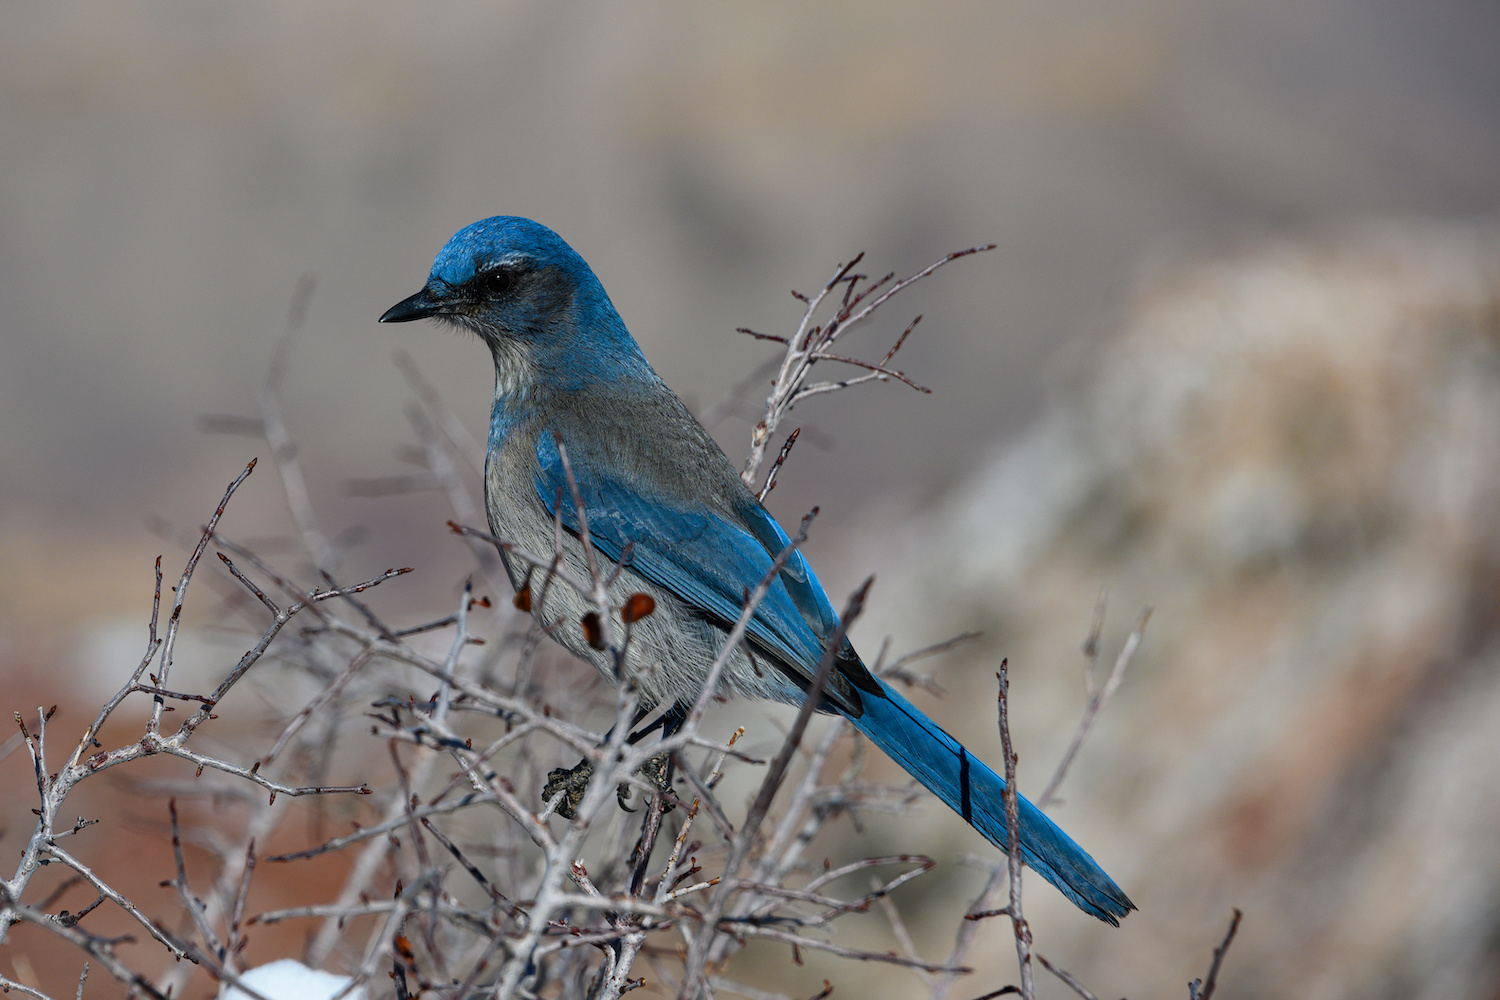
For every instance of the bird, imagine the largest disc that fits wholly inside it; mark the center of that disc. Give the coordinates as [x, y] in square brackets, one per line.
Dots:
[574, 393]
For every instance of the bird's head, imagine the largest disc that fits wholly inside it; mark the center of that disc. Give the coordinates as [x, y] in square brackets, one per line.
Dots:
[531, 298]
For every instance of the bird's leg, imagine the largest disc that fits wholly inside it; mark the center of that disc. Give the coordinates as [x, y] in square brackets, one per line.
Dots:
[658, 770]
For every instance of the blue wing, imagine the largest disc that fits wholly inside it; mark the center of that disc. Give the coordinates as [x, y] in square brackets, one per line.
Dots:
[707, 561]
[712, 564]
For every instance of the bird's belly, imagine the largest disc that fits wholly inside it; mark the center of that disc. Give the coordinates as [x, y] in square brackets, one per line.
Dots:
[668, 654]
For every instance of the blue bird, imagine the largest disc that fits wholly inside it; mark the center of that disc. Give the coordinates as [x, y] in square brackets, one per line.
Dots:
[652, 480]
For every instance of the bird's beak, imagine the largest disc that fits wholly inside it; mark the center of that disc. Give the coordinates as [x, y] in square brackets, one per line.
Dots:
[419, 306]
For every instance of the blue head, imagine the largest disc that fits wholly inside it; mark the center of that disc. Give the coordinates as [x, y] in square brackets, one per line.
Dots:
[533, 300]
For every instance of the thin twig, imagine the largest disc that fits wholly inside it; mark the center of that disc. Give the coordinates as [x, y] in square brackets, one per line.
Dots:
[1091, 711]
[1066, 977]
[1203, 989]
[1013, 837]
[786, 449]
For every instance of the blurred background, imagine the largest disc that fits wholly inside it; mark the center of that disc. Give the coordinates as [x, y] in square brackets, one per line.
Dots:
[1237, 357]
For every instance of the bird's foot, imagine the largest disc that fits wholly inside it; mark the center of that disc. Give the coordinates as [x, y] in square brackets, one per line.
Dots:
[658, 771]
[573, 782]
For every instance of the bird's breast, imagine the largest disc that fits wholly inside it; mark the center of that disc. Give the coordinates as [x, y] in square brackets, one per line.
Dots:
[515, 511]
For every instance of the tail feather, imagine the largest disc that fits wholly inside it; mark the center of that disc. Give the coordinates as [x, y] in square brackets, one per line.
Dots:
[973, 791]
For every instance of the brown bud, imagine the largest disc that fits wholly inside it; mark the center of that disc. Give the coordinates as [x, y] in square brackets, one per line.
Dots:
[637, 606]
[592, 630]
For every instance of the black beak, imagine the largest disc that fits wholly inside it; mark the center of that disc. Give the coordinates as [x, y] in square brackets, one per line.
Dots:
[419, 306]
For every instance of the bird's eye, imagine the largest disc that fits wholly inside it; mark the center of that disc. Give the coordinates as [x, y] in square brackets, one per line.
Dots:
[492, 284]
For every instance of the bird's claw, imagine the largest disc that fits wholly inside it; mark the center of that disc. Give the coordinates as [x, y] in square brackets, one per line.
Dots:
[573, 782]
[658, 771]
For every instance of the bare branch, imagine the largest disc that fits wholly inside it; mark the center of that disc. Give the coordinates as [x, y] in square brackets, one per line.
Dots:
[1203, 989]
[811, 343]
[1096, 702]
[1067, 977]
[693, 976]
[180, 595]
[786, 449]
[1013, 837]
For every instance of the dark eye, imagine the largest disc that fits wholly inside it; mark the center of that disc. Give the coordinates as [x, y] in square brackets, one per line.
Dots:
[493, 284]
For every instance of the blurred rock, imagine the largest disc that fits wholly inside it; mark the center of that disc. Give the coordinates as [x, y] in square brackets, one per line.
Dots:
[1290, 450]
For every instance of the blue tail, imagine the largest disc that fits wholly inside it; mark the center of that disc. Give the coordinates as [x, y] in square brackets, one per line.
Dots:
[973, 791]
